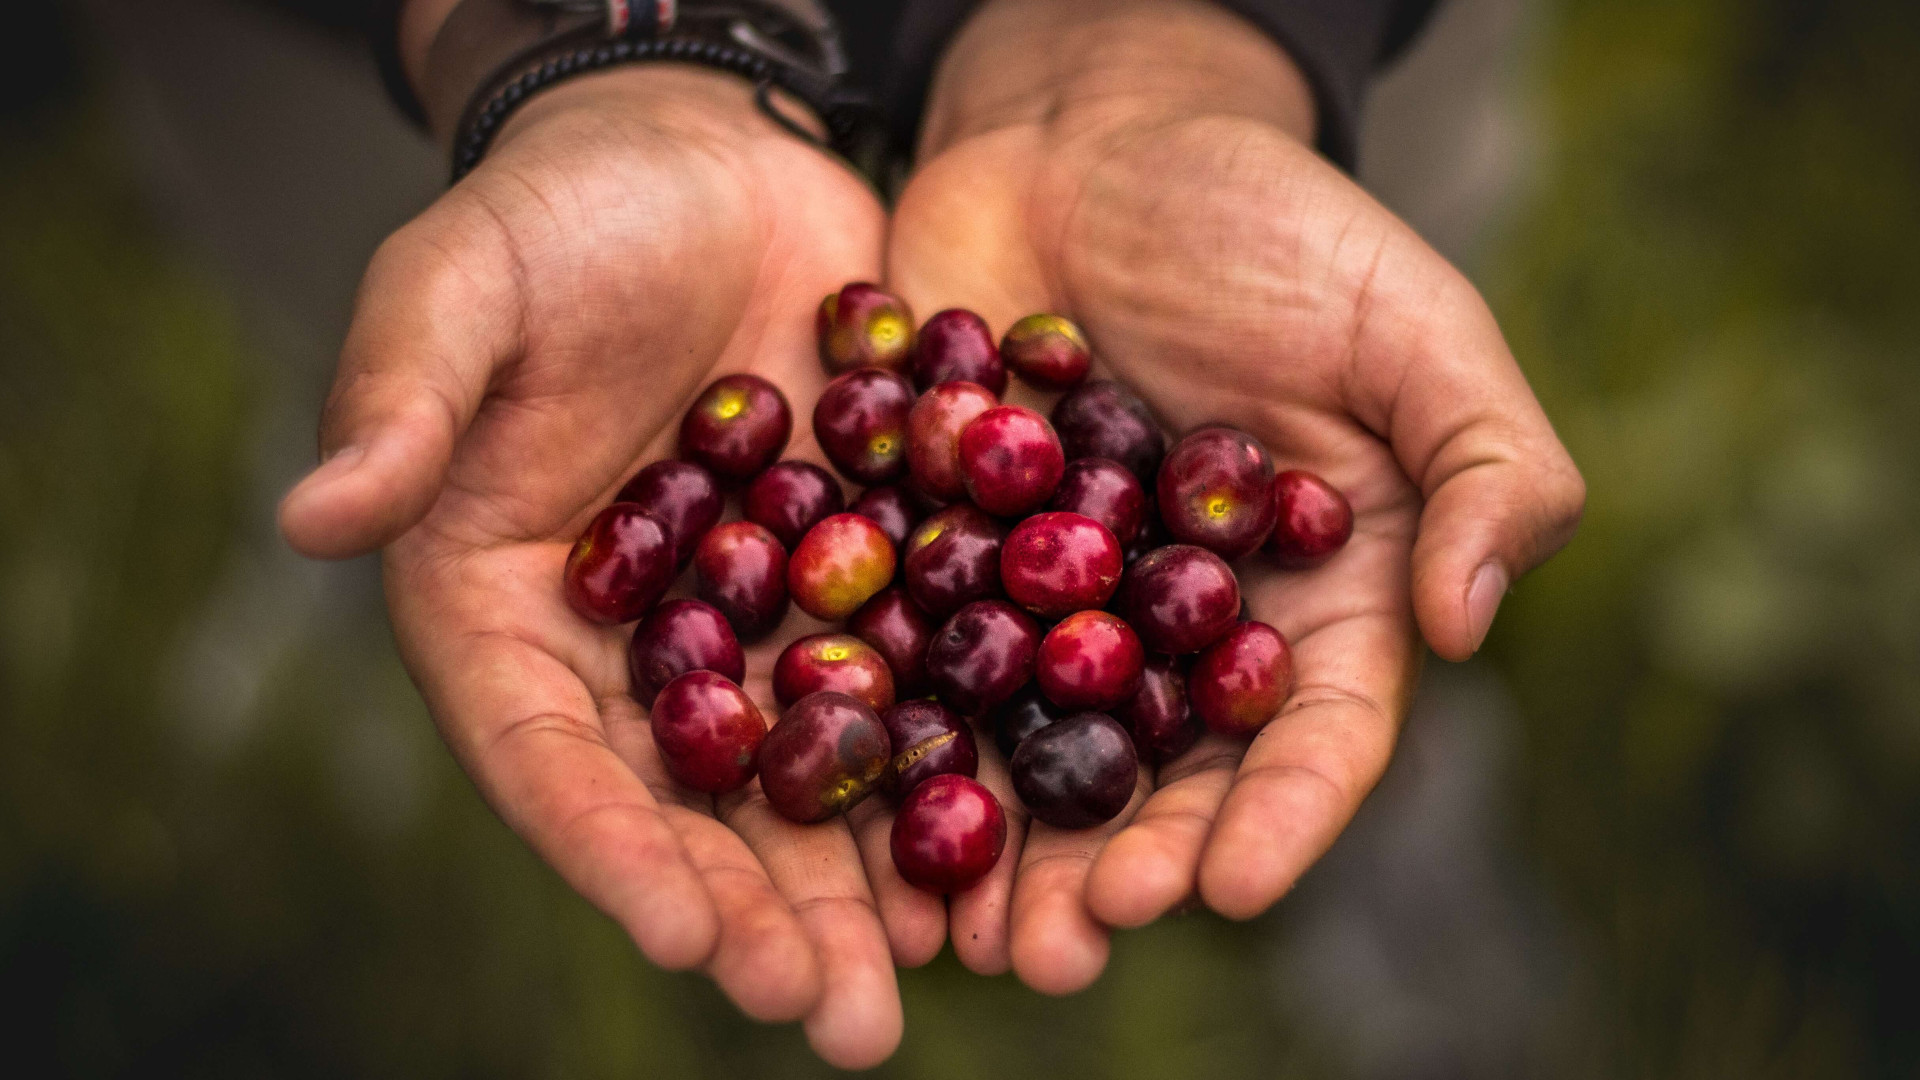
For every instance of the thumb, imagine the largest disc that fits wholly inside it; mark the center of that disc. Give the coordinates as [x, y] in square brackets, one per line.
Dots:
[437, 312]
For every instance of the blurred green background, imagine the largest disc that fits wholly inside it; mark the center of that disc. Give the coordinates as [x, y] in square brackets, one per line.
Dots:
[1668, 826]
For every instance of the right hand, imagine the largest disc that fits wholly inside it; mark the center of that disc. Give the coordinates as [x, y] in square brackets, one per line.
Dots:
[516, 353]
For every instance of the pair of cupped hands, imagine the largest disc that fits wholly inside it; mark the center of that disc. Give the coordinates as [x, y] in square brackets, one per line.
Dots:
[532, 339]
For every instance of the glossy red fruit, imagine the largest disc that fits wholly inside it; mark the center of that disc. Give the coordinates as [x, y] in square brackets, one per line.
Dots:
[620, 566]
[1103, 489]
[953, 559]
[928, 740]
[892, 509]
[677, 637]
[737, 426]
[827, 752]
[838, 565]
[1240, 681]
[741, 569]
[899, 631]
[863, 325]
[1077, 773]
[1010, 460]
[1056, 563]
[1179, 598]
[1101, 418]
[708, 730]
[1048, 351]
[933, 436]
[1158, 716]
[1216, 490]
[839, 662]
[982, 655]
[956, 346]
[791, 497]
[682, 497]
[1026, 712]
[860, 423]
[1090, 660]
[948, 834]
[1312, 520]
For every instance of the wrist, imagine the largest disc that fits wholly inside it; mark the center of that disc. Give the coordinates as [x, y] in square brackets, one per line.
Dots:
[683, 103]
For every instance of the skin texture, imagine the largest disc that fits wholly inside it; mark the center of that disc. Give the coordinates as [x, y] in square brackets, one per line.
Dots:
[1144, 167]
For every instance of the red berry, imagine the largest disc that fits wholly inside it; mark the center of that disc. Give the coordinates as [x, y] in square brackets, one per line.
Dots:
[1101, 418]
[792, 497]
[708, 731]
[860, 423]
[1103, 489]
[1216, 490]
[953, 559]
[682, 497]
[1048, 351]
[1010, 460]
[1163, 725]
[933, 436]
[891, 508]
[677, 637]
[741, 569]
[1057, 563]
[1090, 660]
[1179, 598]
[1020, 716]
[1077, 773]
[982, 655]
[956, 346]
[928, 740]
[899, 631]
[839, 564]
[948, 834]
[862, 325]
[620, 566]
[839, 662]
[827, 752]
[1312, 520]
[1240, 681]
[737, 426]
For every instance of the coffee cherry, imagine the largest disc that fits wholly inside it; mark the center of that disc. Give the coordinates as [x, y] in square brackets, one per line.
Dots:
[1048, 351]
[862, 325]
[1240, 681]
[860, 423]
[899, 631]
[933, 436]
[953, 559]
[982, 655]
[948, 834]
[741, 569]
[1103, 489]
[1091, 660]
[1101, 418]
[791, 497]
[737, 426]
[620, 566]
[677, 637]
[956, 346]
[1077, 773]
[892, 509]
[1057, 563]
[1026, 712]
[1162, 724]
[1010, 460]
[683, 497]
[826, 753]
[1179, 598]
[1312, 520]
[708, 730]
[839, 564]
[1216, 490]
[839, 662]
[928, 740]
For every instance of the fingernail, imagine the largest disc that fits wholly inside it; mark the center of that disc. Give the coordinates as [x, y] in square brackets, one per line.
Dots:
[337, 464]
[1483, 600]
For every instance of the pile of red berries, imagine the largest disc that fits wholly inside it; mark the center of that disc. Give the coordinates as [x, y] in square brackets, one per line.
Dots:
[1065, 581]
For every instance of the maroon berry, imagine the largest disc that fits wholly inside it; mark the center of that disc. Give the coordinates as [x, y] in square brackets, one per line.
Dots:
[1048, 351]
[899, 631]
[1216, 490]
[737, 426]
[1020, 716]
[1103, 489]
[1010, 460]
[1163, 726]
[1241, 680]
[933, 436]
[982, 655]
[948, 834]
[682, 497]
[1101, 418]
[620, 566]
[860, 423]
[891, 508]
[953, 559]
[791, 497]
[862, 325]
[1056, 563]
[928, 740]
[708, 731]
[1179, 598]
[839, 564]
[1077, 773]
[677, 637]
[839, 662]
[827, 752]
[956, 346]
[1153, 535]
[1090, 660]
[1312, 520]
[741, 569]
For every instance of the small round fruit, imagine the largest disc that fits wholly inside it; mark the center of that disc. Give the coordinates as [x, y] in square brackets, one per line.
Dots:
[620, 566]
[1048, 351]
[899, 631]
[891, 508]
[1090, 660]
[1163, 725]
[1101, 418]
[1020, 716]
[953, 559]
[708, 730]
[1103, 489]
[839, 662]
[791, 497]
[1312, 520]
[863, 325]
[737, 426]
[1010, 460]
[933, 436]
[826, 753]
[982, 655]
[1077, 773]
[860, 423]
[741, 569]
[956, 346]
[1056, 563]
[1240, 681]
[949, 832]
[1179, 598]
[839, 564]
[677, 637]
[1216, 490]
[928, 740]
[681, 496]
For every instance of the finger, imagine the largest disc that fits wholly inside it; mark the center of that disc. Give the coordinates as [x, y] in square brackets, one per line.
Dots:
[978, 919]
[435, 314]
[916, 921]
[1150, 867]
[1057, 946]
